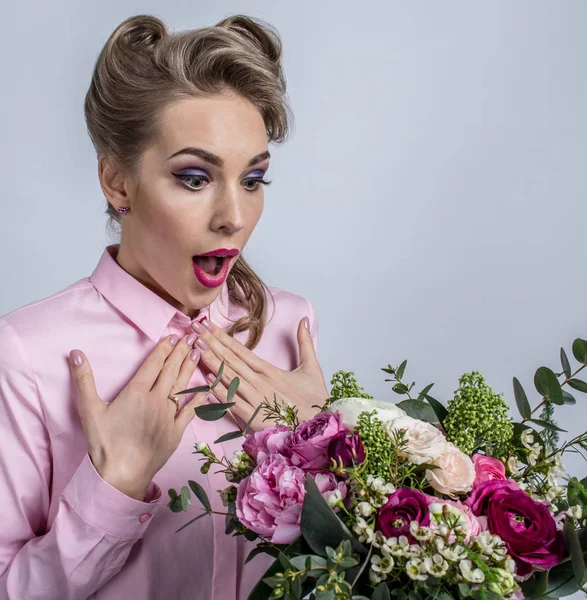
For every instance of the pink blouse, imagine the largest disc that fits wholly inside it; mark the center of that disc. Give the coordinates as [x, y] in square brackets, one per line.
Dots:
[68, 534]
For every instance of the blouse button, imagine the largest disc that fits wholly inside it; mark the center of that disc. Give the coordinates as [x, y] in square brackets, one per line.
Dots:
[144, 517]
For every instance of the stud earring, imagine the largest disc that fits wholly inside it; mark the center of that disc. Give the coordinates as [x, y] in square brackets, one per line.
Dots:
[123, 210]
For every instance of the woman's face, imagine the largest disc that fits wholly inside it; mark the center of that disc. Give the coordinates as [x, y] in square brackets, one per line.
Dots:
[186, 202]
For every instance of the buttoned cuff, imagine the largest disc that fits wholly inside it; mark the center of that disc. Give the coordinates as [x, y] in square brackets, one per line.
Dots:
[106, 508]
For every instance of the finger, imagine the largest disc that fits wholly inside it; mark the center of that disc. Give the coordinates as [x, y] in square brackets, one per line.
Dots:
[187, 413]
[148, 372]
[83, 377]
[220, 341]
[245, 390]
[185, 374]
[171, 368]
[307, 352]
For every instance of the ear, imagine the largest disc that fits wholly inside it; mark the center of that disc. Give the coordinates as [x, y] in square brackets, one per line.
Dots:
[114, 184]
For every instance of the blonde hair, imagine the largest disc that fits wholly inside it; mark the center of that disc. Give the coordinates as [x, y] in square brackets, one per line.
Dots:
[142, 68]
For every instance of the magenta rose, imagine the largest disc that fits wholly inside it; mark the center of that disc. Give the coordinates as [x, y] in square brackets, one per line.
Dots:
[310, 441]
[346, 449]
[402, 507]
[486, 469]
[272, 440]
[269, 501]
[526, 526]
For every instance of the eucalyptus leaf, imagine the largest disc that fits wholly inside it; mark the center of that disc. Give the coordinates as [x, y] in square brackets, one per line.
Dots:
[320, 525]
[214, 411]
[423, 393]
[381, 592]
[546, 425]
[548, 386]
[262, 549]
[204, 514]
[574, 547]
[400, 388]
[419, 409]
[568, 398]
[439, 409]
[219, 376]
[580, 350]
[200, 388]
[232, 389]
[578, 384]
[565, 363]
[231, 435]
[401, 369]
[521, 400]
[185, 498]
[200, 493]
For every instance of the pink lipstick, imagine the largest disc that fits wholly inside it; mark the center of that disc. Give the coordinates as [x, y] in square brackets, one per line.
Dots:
[211, 268]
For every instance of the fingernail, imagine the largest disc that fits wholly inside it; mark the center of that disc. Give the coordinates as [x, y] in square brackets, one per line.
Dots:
[206, 323]
[190, 339]
[306, 323]
[76, 358]
[173, 340]
[197, 327]
[202, 344]
[211, 377]
[195, 355]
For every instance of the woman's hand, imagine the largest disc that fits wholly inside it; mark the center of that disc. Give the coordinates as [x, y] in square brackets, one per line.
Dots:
[132, 437]
[260, 380]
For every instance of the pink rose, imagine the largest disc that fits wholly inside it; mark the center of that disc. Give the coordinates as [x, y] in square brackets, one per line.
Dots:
[269, 501]
[310, 441]
[487, 468]
[456, 473]
[271, 440]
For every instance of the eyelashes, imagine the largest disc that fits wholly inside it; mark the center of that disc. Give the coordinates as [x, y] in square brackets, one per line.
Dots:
[184, 178]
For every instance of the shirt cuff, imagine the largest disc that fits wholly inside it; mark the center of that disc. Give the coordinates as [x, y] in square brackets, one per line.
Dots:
[106, 508]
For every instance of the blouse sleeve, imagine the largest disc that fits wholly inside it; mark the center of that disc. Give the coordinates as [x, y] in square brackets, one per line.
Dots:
[95, 525]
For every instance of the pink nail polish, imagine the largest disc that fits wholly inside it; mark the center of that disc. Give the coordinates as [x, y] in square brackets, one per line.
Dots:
[202, 344]
[195, 355]
[207, 324]
[197, 327]
[307, 323]
[191, 338]
[173, 340]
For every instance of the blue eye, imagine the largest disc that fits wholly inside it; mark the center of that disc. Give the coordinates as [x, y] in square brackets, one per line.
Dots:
[194, 180]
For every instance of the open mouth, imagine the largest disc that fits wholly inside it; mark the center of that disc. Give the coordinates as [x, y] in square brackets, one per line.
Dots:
[210, 264]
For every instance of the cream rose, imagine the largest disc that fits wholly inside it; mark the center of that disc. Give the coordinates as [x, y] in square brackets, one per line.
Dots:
[456, 472]
[351, 408]
[424, 443]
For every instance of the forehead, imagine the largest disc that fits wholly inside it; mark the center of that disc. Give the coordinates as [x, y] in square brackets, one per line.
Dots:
[230, 126]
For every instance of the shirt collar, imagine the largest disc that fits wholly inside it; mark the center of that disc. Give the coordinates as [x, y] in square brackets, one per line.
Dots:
[148, 311]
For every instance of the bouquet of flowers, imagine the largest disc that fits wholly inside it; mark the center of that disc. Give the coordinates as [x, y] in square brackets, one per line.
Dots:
[371, 499]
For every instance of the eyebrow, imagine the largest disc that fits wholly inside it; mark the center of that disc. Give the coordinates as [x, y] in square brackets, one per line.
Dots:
[215, 160]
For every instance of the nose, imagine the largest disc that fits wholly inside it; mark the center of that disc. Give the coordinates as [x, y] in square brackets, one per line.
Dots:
[229, 213]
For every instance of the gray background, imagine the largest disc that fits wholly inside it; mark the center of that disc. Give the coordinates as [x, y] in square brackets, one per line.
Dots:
[431, 204]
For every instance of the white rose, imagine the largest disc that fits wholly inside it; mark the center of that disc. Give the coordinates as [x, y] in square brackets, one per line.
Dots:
[351, 408]
[456, 473]
[424, 443]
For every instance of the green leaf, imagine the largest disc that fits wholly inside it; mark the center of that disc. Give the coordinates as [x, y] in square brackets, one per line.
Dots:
[200, 493]
[231, 435]
[565, 363]
[536, 585]
[423, 393]
[262, 549]
[548, 385]
[438, 408]
[401, 369]
[580, 350]
[381, 592]
[232, 389]
[574, 547]
[249, 422]
[200, 388]
[299, 562]
[400, 388]
[219, 376]
[521, 400]
[320, 525]
[213, 412]
[568, 398]
[578, 385]
[185, 498]
[546, 425]
[419, 410]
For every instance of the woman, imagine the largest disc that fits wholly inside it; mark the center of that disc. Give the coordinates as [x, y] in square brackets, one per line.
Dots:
[180, 123]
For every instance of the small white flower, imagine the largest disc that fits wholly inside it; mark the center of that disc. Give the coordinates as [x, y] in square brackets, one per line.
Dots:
[360, 526]
[422, 534]
[379, 540]
[364, 509]
[398, 547]
[334, 498]
[367, 535]
[551, 477]
[527, 438]
[382, 565]
[375, 577]
[436, 565]
[470, 574]
[416, 570]
[514, 465]
[510, 565]
[201, 446]
[454, 554]
[575, 512]
[534, 454]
